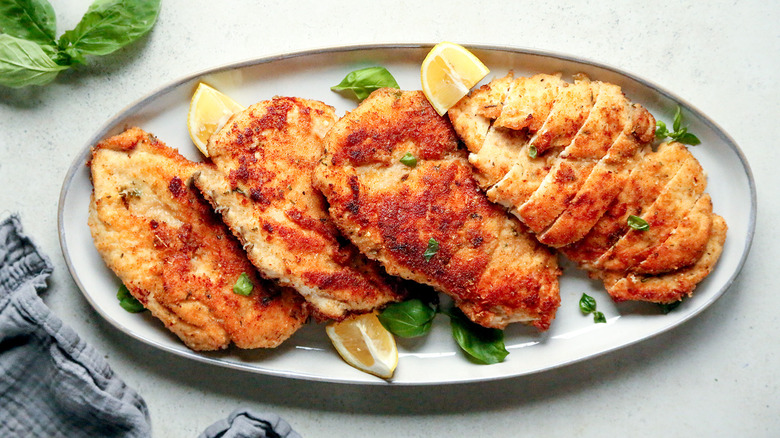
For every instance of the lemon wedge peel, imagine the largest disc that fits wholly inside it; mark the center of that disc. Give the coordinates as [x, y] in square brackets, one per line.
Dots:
[364, 343]
[209, 111]
[448, 73]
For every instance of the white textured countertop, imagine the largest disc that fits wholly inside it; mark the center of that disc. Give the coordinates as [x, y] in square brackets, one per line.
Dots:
[716, 375]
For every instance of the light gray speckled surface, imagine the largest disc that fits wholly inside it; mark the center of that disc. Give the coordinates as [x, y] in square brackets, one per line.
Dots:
[716, 375]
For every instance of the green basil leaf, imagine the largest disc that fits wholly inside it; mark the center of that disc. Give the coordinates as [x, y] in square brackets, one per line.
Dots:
[532, 151]
[485, 345]
[599, 317]
[109, 25]
[637, 223]
[127, 301]
[364, 81]
[587, 304]
[243, 285]
[24, 62]
[32, 20]
[677, 123]
[409, 160]
[408, 319]
[660, 131]
[688, 138]
[431, 250]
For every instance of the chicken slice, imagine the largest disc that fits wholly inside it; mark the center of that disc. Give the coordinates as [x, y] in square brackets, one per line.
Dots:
[430, 222]
[663, 216]
[569, 112]
[527, 170]
[672, 286]
[604, 183]
[685, 245]
[528, 102]
[473, 115]
[264, 158]
[572, 167]
[174, 255]
[645, 183]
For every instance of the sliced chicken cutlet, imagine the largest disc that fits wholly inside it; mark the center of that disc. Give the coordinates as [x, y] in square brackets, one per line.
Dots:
[672, 286]
[174, 255]
[261, 184]
[575, 163]
[428, 221]
[605, 181]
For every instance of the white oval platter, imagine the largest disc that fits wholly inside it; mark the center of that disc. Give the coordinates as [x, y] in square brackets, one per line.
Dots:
[435, 359]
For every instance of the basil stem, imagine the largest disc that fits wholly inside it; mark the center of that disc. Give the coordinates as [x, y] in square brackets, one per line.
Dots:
[243, 285]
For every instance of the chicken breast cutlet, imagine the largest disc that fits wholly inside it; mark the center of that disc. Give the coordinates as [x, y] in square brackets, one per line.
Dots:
[261, 184]
[400, 188]
[174, 255]
[575, 162]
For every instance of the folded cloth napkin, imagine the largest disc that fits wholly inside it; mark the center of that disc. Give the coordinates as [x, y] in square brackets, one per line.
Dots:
[53, 384]
[244, 423]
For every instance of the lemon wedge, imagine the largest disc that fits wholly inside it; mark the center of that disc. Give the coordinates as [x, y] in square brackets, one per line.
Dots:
[448, 72]
[209, 111]
[365, 344]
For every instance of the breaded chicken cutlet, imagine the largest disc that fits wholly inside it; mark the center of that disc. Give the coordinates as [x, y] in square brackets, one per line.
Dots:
[426, 220]
[174, 254]
[575, 163]
[261, 185]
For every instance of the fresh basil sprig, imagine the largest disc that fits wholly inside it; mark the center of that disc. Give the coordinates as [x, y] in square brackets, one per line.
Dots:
[408, 319]
[30, 53]
[364, 81]
[588, 305]
[678, 133]
[484, 345]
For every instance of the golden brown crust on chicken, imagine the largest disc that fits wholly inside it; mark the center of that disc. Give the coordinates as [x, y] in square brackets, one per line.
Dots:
[174, 255]
[528, 102]
[493, 270]
[574, 164]
[603, 184]
[261, 184]
[573, 161]
[662, 217]
[672, 286]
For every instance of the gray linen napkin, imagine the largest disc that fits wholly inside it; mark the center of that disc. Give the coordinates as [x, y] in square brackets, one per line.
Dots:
[52, 384]
[244, 423]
